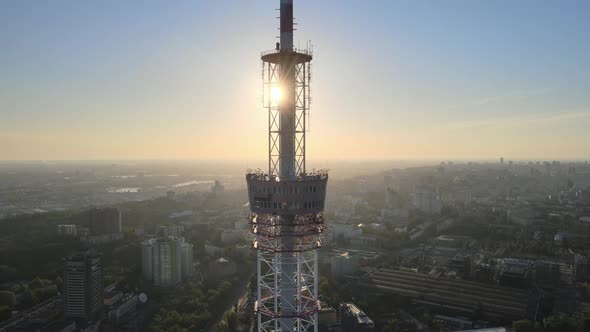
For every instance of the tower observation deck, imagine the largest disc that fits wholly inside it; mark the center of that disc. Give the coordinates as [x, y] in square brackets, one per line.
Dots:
[287, 202]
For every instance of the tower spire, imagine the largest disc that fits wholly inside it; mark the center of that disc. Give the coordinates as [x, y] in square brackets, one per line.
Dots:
[287, 25]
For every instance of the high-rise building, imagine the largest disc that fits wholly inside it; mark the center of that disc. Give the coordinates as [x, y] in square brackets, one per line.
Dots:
[427, 201]
[187, 259]
[217, 188]
[67, 230]
[395, 210]
[83, 286]
[170, 230]
[287, 202]
[105, 221]
[147, 259]
[166, 260]
[581, 270]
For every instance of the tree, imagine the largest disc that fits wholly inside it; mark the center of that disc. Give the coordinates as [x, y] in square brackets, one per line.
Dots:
[7, 298]
[7, 273]
[523, 325]
[29, 298]
[230, 320]
[59, 282]
[5, 312]
[390, 326]
[45, 293]
[36, 283]
[221, 327]
[561, 322]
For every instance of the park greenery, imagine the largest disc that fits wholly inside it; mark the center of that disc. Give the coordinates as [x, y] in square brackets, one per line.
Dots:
[229, 322]
[557, 322]
[190, 306]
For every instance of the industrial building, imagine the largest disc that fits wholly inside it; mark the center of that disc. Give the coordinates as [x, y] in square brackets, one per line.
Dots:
[547, 275]
[452, 296]
[514, 272]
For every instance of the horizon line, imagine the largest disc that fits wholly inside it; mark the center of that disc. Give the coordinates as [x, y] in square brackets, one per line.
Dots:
[433, 159]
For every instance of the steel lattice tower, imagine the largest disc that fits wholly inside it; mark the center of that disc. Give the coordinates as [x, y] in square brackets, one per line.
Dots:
[287, 202]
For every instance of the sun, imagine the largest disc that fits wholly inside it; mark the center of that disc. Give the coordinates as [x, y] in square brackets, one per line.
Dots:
[275, 94]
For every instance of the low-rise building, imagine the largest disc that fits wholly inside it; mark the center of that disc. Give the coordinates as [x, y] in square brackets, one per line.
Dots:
[181, 214]
[102, 238]
[353, 319]
[125, 306]
[343, 264]
[214, 251]
[231, 236]
[221, 268]
[242, 250]
[344, 231]
[327, 318]
[461, 264]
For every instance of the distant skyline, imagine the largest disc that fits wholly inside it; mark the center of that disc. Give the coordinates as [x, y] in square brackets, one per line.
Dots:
[391, 79]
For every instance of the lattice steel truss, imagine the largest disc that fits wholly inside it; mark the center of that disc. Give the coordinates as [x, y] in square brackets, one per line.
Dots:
[287, 238]
[287, 203]
[270, 306]
[271, 79]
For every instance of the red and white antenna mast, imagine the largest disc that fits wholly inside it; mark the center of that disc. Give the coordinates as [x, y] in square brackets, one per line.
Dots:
[287, 202]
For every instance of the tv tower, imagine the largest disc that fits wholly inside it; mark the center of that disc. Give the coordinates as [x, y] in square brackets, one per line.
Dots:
[287, 202]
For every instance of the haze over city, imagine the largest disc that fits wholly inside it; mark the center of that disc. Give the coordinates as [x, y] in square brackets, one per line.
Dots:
[391, 79]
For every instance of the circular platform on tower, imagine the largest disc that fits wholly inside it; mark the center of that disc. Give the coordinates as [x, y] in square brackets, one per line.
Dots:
[284, 56]
[302, 195]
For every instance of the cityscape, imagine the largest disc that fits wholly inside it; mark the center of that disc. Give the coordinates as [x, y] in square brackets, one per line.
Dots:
[280, 223]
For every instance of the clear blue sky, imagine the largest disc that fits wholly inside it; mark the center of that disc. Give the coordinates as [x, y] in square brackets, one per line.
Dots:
[392, 79]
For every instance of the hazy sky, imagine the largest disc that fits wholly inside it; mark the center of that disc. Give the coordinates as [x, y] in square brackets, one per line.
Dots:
[391, 79]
